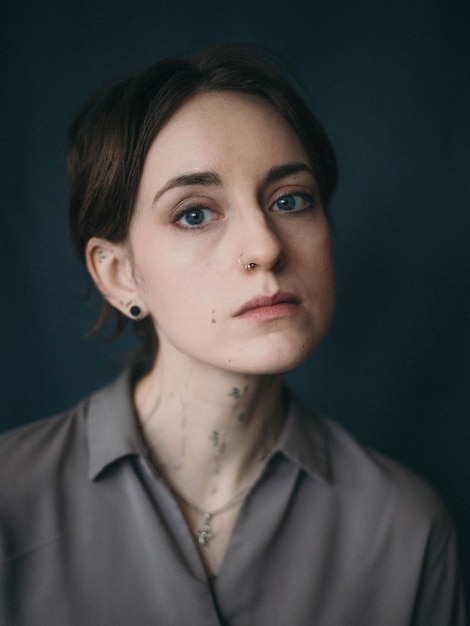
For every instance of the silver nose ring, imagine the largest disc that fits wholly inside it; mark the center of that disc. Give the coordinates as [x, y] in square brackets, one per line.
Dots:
[248, 266]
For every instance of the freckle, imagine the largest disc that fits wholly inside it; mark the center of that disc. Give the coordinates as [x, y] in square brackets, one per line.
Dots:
[235, 393]
[241, 416]
[213, 321]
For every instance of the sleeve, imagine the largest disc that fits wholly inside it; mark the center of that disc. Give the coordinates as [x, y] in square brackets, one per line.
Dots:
[440, 600]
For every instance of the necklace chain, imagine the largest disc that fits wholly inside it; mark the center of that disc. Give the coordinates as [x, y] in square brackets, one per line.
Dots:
[205, 533]
[228, 505]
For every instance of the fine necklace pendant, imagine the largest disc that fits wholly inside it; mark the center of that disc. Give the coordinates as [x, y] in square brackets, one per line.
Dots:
[205, 534]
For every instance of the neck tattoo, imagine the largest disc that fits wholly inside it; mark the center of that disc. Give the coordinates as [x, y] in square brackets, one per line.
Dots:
[205, 534]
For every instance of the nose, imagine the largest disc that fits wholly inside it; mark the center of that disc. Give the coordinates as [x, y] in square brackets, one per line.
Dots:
[259, 244]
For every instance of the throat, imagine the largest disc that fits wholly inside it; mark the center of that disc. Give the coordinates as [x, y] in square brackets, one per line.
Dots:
[211, 529]
[210, 448]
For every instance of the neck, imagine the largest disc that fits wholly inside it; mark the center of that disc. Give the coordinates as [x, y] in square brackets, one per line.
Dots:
[208, 430]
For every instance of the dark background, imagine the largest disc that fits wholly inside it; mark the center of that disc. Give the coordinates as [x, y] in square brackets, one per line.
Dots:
[390, 81]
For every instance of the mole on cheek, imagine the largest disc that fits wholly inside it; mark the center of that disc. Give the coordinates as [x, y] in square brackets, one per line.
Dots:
[213, 320]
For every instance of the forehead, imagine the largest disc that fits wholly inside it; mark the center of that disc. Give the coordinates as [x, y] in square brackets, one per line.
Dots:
[217, 129]
[228, 107]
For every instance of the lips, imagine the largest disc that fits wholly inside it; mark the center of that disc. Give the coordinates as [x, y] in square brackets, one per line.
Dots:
[269, 303]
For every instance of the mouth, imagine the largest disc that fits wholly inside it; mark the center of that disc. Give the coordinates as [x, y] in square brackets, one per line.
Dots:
[262, 307]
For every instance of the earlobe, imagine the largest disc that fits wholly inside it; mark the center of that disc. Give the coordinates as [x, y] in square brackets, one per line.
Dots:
[110, 267]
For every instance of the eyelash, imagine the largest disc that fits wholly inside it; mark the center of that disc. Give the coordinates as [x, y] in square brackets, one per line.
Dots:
[187, 211]
[308, 198]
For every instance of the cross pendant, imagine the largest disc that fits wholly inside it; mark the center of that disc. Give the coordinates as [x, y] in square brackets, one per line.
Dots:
[205, 534]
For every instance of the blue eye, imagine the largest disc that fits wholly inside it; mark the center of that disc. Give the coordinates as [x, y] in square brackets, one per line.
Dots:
[294, 202]
[195, 216]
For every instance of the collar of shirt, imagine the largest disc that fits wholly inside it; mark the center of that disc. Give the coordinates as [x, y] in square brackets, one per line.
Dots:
[113, 432]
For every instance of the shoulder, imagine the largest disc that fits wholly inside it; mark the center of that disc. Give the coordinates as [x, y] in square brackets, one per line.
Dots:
[356, 483]
[59, 440]
[364, 481]
[381, 521]
[28, 446]
[39, 464]
[38, 458]
[389, 510]
[46, 456]
[383, 487]
[52, 457]
[45, 481]
[350, 468]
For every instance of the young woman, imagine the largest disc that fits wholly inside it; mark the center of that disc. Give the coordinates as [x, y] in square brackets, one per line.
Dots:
[197, 489]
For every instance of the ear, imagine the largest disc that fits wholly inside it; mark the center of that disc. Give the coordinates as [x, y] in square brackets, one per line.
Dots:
[110, 267]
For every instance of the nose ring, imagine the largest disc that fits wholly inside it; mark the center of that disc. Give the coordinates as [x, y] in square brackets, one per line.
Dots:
[249, 266]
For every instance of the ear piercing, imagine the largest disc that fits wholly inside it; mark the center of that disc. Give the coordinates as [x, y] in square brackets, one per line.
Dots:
[135, 311]
[249, 266]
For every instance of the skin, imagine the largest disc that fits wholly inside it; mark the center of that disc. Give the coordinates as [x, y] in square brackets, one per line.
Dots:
[225, 183]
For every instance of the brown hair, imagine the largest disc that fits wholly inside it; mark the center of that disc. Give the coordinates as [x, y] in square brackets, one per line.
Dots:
[109, 139]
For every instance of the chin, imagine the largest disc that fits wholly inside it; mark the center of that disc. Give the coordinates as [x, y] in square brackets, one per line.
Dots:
[276, 360]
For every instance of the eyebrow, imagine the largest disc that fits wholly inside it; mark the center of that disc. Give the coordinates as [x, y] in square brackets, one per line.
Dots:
[185, 180]
[277, 172]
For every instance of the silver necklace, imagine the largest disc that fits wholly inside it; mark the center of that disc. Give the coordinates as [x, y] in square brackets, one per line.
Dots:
[205, 534]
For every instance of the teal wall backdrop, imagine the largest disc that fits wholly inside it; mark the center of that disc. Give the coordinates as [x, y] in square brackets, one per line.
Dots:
[390, 81]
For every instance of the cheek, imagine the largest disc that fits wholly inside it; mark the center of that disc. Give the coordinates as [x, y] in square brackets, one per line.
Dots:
[326, 267]
[175, 295]
[315, 253]
[321, 274]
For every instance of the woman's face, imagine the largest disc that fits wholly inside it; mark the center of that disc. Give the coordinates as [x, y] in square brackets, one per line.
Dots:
[227, 183]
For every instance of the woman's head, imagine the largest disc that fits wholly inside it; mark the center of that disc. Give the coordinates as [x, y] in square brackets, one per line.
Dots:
[111, 138]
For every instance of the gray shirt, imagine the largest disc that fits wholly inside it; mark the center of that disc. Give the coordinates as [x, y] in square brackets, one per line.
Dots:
[332, 534]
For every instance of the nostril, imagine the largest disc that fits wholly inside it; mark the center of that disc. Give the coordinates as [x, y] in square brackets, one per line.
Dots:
[279, 262]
